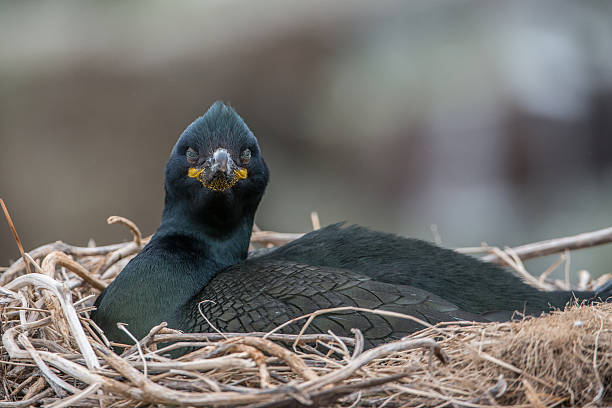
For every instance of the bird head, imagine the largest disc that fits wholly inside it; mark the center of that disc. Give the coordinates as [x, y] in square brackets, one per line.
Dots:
[216, 172]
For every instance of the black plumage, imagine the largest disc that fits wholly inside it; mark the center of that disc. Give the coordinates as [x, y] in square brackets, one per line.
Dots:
[214, 181]
[259, 294]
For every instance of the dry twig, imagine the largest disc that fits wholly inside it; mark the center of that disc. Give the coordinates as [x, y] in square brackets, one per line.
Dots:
[553, 246]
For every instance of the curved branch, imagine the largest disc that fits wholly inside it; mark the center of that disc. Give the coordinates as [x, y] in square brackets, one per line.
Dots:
[114, 219]
[60, 258]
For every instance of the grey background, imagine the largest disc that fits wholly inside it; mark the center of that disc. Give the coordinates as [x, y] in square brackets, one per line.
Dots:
[491, 120]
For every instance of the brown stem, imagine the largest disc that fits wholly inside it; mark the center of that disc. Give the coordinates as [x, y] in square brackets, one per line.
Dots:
[553, 246]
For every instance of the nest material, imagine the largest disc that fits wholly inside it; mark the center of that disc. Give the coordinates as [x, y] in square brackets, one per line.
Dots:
[53, 354]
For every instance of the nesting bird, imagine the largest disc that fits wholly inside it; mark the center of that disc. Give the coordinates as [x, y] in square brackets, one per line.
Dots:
[214, 181]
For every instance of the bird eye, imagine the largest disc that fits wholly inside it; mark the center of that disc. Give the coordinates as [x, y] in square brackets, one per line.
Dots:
[191, 155]
[245, 156]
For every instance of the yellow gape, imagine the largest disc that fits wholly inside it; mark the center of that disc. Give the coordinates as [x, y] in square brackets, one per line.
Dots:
[194, 173]
[241, 173]
[218, 183]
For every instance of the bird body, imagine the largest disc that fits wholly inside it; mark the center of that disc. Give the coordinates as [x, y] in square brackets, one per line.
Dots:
[195, 268]
[261, 294]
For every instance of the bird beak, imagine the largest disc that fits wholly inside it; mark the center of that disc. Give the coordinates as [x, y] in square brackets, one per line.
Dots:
[221, 161]
[219, 172]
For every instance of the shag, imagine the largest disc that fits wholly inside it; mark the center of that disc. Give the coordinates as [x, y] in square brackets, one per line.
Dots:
[196, 263]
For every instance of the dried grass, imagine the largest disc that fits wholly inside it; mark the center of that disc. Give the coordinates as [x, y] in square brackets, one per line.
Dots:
[53, 354]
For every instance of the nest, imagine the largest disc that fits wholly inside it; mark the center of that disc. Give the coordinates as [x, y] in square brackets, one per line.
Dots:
[54, 355]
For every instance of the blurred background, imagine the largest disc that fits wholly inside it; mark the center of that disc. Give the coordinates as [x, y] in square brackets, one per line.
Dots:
[491, 121]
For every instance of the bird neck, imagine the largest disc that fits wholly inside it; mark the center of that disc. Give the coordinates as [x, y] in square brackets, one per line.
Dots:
[210, 244]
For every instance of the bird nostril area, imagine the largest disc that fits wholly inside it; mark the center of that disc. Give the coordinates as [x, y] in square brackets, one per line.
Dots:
[221, 161]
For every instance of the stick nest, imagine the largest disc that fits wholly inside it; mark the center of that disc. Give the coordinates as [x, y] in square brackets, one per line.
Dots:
[53, 355]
